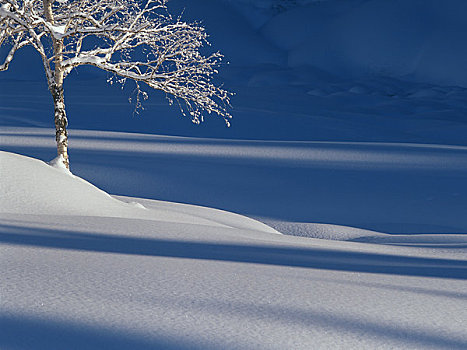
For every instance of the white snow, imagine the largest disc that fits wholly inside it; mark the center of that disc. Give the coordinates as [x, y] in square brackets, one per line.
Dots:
[58, 163]
[58, 31]
[416, 40]
[85, 270]
[31, 187]
[399, 188]
[348, 139]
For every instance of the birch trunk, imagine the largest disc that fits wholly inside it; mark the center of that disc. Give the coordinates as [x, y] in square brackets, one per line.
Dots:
[56, 89]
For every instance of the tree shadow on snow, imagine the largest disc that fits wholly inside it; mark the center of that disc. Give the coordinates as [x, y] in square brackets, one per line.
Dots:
[309, 257]
[403, 335]
[18, 332]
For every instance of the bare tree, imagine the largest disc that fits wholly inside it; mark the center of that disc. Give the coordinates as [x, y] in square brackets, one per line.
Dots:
[133, 40]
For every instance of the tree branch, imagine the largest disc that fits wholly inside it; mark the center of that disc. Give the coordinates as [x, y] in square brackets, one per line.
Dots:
[132, 40]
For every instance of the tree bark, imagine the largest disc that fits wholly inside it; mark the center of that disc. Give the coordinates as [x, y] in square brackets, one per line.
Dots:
[61, 122]
[56, 89]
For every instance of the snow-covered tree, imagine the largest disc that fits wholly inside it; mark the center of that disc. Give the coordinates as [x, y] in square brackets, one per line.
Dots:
[132, 40]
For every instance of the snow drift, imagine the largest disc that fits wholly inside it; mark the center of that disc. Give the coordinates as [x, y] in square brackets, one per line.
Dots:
[81, 268]
[32, 187]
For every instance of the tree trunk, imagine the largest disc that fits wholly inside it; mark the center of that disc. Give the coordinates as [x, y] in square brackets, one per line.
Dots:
[56, 89]
[61, 122]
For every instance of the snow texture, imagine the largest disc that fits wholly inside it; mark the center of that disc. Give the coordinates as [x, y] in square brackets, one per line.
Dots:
[119, 275]
[348, 139]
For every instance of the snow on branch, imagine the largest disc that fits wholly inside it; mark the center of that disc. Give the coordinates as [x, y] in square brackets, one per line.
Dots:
[133, 40]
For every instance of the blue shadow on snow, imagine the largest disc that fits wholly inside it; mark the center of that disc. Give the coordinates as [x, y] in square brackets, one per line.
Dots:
[309, 257]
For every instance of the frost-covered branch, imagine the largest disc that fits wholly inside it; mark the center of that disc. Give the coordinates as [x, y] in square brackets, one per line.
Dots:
[19, 28]
[133, 40]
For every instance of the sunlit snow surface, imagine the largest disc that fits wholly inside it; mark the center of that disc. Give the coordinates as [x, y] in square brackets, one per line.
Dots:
[348, 137]
[84, 270]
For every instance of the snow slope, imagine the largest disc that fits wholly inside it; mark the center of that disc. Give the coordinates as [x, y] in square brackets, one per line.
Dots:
[416, 40]
[348, 137]
[94, 280]
[31, 187]
[385, 187]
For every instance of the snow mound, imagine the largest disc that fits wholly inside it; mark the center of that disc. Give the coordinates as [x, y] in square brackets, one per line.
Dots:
[325, 231]
[448, 241]
[440, 241]
[58, 163]
[30, 186]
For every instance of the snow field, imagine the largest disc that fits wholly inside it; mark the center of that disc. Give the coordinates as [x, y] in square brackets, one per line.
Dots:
[348, 138]
[90, 280]
[383, 187]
